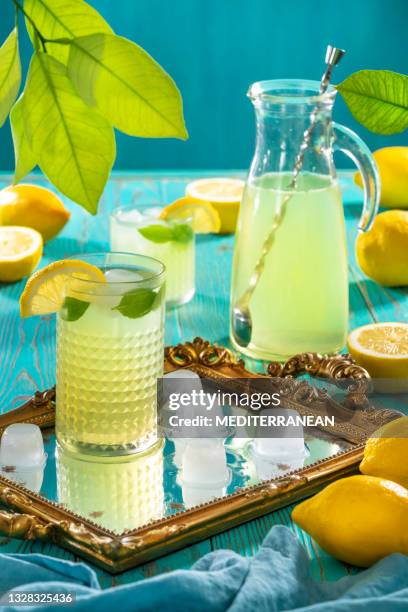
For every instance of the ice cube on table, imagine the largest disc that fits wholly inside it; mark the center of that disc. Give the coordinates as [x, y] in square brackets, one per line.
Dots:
[205, 474]
[287, 441]
[205, 463]
[181, 374]
[22, 446]
[276, 456]
[22, 456]
[173, 385]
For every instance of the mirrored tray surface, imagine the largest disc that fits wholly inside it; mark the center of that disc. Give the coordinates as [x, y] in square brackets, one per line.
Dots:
[123, 493]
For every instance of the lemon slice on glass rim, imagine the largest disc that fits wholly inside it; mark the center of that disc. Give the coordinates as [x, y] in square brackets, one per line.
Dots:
[205, 218]
[45, 290]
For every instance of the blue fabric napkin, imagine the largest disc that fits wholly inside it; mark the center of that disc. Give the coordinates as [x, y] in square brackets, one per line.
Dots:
[276, 578]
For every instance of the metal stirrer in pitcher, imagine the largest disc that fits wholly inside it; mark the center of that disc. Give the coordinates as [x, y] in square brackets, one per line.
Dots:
[242, 322]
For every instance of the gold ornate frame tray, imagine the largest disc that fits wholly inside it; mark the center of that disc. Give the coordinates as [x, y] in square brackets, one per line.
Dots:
[31, 516]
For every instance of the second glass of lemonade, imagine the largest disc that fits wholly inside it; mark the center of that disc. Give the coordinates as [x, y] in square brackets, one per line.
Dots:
[109, 356]
[141, 230]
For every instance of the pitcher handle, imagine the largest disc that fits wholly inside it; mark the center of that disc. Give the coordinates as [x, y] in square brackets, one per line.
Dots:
[349, 143]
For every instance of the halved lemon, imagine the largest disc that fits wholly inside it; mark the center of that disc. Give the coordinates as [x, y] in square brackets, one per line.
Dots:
[382, 349]
[45, 291]
[204, 217]
[20, 252]
[225, 194]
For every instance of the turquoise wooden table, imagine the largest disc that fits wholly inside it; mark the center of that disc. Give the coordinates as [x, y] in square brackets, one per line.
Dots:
[27, 347]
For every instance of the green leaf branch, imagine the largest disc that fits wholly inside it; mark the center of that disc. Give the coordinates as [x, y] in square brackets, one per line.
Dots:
[378, 99]
[83, 81]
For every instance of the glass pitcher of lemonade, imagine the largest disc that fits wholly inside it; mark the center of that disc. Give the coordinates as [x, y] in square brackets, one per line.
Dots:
[290, 277]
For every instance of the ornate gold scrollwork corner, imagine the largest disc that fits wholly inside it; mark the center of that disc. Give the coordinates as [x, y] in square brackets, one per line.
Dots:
[200, 352]
[336, 368]
[320, 366]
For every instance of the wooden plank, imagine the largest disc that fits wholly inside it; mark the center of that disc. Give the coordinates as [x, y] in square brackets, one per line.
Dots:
[248, 538]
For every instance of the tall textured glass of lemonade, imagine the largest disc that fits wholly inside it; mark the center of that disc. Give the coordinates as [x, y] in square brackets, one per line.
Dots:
[109, 356]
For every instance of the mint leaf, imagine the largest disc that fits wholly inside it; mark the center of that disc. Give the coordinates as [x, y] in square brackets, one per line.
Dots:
[182, 232]
[378, 99]
[157, 233]
[73, 309]
[138, 302]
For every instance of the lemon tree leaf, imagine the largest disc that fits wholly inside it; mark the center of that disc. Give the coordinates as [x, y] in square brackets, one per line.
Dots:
[63, 19]
[74, 144]
[24, 156]
[10, 74]
[378, 99]
[127, 86]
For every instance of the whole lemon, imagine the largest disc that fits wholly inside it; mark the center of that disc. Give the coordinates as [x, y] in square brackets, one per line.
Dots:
[33, 206]
[386, 452]
[392, 165]
[359, 519]
[382, 252]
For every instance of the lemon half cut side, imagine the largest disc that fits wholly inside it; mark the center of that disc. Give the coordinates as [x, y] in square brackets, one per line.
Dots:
[382, 349]
[225, 195]
[20, 252]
